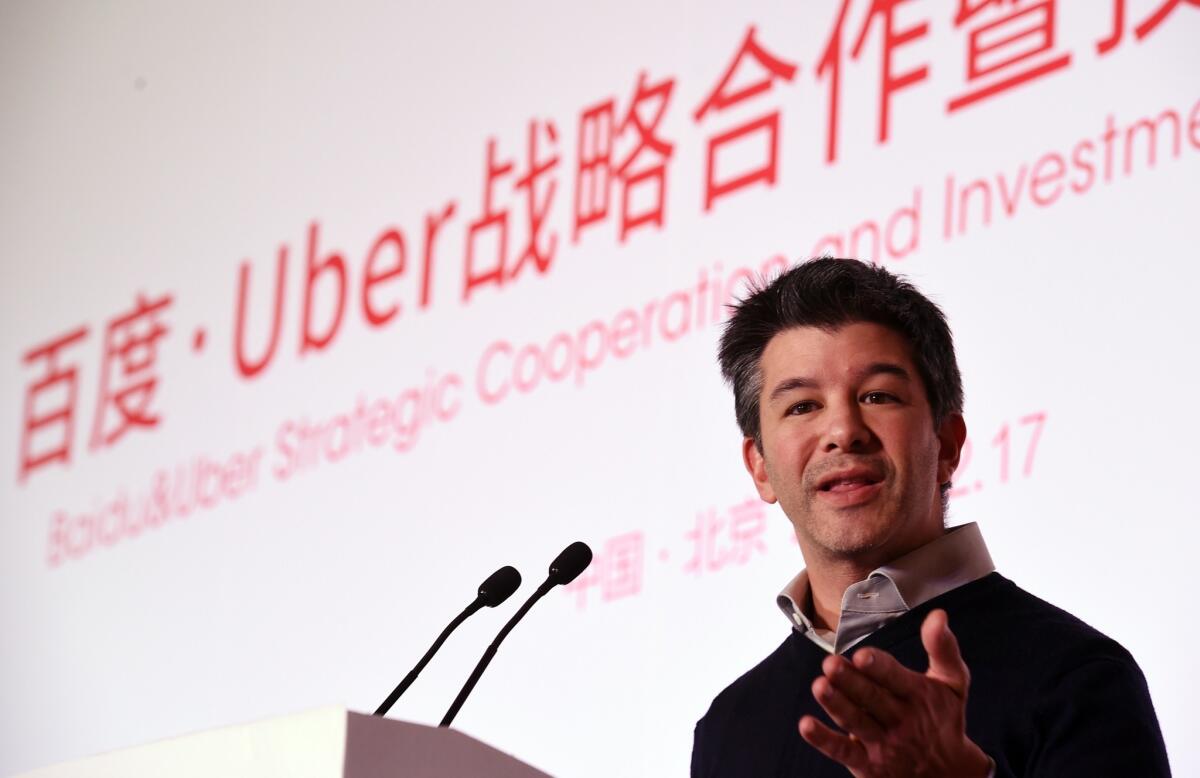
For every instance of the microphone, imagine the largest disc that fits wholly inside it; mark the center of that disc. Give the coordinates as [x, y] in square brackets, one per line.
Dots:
[498, 587]
[565, 568]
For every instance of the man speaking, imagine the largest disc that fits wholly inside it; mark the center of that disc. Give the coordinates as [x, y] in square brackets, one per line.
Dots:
[909, 655]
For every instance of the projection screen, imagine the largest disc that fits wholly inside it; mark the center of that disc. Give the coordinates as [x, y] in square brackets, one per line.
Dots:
[316, 314]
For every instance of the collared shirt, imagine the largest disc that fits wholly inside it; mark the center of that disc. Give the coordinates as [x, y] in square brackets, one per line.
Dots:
[958, 557]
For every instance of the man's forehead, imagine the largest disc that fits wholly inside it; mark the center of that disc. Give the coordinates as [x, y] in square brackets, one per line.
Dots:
[851, 347]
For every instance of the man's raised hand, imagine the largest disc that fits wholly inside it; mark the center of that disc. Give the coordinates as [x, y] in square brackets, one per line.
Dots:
[898, 722]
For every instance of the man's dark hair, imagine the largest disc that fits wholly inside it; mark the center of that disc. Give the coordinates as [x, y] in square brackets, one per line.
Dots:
[828, 293]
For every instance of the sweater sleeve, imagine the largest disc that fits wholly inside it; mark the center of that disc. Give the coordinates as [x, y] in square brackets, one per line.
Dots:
[1097, 719]
[699, 760]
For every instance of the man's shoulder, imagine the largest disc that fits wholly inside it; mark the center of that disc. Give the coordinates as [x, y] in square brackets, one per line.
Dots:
[751, 725]
[1028, 651]
[1050, 693]
[767, 679]
[1002, 613]
[768, 692]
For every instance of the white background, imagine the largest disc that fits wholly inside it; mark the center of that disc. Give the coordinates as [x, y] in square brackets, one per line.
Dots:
[151, 148]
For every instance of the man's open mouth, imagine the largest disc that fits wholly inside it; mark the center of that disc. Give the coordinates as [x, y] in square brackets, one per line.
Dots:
[848, 480]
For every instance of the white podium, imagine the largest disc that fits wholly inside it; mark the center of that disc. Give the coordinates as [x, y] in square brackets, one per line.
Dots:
[324, 743]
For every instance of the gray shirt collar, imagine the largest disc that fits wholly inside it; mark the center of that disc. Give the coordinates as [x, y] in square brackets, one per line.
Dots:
[958, 557]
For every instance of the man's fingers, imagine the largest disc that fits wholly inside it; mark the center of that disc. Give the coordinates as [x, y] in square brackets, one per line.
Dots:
[838, 747]
[882, 668]
[844, 712]
[863, 691]
[945, 662]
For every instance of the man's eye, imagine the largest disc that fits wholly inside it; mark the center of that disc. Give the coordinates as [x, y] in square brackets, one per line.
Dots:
[801, 407]
[878, 397]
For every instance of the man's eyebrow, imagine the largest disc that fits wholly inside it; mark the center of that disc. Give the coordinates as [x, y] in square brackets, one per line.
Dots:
[791, 385]
[801, 382]
[886, 368]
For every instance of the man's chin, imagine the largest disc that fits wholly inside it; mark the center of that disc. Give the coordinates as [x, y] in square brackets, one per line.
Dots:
[849, 535]
[852, 549]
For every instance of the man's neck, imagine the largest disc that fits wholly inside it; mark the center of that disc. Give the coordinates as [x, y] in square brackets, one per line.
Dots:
[830, 577]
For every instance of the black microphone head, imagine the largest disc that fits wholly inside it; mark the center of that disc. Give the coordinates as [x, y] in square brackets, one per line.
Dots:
[499, 586]
[573, 560]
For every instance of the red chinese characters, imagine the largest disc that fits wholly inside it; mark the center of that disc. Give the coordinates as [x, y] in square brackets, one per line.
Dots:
[731, 539]
[126, 388]
[725, 96]
[593, 176]
[537, 203]
[642, 171]
[890, 82]
[617, 570]
[47, 428]
[1010, 44]
[127, 377]
[1144, 28]
[539, 249]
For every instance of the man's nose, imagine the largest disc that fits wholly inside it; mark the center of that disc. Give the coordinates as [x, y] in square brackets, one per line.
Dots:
[845, 427]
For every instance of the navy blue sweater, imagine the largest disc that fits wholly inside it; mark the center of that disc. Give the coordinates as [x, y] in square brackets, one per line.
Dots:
[1050, 696]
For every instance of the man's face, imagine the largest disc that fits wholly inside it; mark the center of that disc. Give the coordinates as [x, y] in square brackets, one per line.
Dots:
[848, 445]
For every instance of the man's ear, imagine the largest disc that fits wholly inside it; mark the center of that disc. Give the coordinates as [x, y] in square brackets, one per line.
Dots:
[951, 435]
[756, 465]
